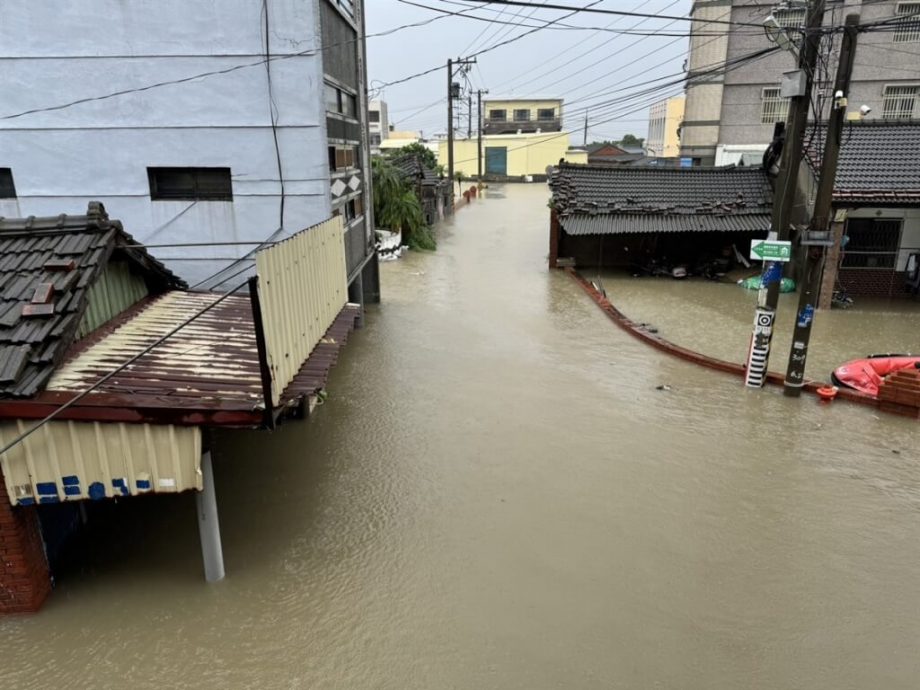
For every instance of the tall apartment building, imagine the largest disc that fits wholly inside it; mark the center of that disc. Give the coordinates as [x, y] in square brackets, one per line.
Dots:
[192, 121]
[732, 114]
[524, 115]
[378, 123]
[664, 121]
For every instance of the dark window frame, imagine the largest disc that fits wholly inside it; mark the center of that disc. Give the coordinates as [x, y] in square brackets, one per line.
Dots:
[519, 114]
[198, 189]
[546, 114]
[7, 184]
[498, 114]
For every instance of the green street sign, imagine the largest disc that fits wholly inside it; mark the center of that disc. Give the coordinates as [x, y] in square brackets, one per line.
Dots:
[771, 250]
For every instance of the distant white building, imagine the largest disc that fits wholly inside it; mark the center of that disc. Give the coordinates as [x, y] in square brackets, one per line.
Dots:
[378, 123]
[186, 125]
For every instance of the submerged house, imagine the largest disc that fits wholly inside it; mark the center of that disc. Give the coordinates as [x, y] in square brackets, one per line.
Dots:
[110, 370]
[876, 206]
[626, 216]
[434, 191]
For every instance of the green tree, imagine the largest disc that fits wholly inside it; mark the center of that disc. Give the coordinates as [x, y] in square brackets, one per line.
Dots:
[632, 140]
[397, 206]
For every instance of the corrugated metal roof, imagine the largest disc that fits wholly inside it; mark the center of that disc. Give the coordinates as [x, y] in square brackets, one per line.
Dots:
[606, 224]
[879, 162]
[69, 252]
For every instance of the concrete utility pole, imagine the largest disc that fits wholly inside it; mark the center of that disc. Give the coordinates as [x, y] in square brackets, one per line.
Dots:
[585, 144]
[785, 194]
[450, 122]
[818, 235]
[469, 123]
[479, 130]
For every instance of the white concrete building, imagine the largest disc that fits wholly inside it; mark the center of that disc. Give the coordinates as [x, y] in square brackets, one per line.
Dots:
[378, 123]
[189, 128]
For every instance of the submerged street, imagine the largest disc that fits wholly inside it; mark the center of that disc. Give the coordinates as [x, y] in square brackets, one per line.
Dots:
[496, 495]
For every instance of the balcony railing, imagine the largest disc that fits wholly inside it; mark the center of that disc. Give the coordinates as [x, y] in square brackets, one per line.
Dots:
[505, 126]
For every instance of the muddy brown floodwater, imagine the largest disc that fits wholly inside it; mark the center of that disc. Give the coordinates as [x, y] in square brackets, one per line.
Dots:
[497, 496]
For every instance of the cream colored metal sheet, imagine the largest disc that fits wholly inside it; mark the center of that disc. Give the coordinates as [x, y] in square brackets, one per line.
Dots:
[72, 461]
[303, 285]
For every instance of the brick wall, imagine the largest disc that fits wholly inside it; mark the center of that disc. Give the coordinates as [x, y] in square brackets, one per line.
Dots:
[872, 282]
[900, 393]
[25, 580]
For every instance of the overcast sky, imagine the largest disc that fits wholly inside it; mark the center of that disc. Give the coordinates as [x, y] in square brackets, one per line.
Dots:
[601, 71]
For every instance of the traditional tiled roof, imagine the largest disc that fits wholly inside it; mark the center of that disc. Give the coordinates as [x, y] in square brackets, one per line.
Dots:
[596, 199]
[411, 166]
[879, 162]
[47, 266]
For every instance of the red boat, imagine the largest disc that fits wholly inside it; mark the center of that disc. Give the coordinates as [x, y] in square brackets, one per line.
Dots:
[865, 375]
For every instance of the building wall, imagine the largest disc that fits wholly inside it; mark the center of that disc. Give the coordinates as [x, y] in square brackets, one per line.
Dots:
[100, 150]
[665, 118]
[527, 154]
[730, 114]
[25, 580]
[379, 130]
[531, 105]
[700, 131]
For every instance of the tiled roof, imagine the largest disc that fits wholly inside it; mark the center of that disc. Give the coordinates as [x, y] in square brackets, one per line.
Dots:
[879, 162]
[410, 165]
[46, 268]
[630, 199]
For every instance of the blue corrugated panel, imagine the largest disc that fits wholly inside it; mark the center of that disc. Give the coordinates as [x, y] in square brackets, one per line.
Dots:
[72, 490]
[70, 480]
[46, 489]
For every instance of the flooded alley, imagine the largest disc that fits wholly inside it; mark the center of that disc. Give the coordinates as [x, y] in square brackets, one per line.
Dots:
[496, 495]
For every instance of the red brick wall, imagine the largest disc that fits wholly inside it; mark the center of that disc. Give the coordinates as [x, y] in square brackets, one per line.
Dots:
[872, 282]
[25, 580]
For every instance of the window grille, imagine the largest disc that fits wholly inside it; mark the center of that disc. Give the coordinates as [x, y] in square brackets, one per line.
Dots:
[774, 107]
[790, 17]
[909, 29]
[522, 115]
[190, 184]
[873, 243]
[899, 102]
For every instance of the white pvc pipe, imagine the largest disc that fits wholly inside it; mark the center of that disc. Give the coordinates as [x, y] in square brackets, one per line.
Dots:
[208, 525]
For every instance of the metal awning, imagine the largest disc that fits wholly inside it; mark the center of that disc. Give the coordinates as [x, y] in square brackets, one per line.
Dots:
[624, 224]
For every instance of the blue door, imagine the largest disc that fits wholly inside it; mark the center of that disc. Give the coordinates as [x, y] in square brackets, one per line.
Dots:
[496, 160]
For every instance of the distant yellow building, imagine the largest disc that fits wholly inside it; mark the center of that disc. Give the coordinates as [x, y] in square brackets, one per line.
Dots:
[526, 115]
[512, 155]
[664, 120]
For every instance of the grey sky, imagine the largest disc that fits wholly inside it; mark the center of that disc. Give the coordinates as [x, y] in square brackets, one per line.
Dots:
[606, 67]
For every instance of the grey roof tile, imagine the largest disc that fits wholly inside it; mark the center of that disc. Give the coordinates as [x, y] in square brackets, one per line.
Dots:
[598, 199]
[30, 347]
[879, 162]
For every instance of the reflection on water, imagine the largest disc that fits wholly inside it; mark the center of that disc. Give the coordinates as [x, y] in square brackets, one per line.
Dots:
[497, 496]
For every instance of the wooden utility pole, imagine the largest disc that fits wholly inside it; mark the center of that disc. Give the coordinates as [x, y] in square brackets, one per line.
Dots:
[450, 122]
[818, 234]
[785, 193]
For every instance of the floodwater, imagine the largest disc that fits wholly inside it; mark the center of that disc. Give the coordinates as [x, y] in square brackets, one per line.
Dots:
[495, 495]
[716, 318]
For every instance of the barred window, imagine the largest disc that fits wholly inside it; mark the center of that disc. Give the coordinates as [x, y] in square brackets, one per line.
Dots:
[522, 115]
[774, 107]
[899, 102]
[546, 114]
[873, 243]
[497, 114]
[909, 29]
[790, 17]
[190, 184]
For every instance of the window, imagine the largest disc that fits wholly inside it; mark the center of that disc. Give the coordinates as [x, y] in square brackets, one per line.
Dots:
[522, 115]
[873, 243]
[332, 98]
[790, 17]
[349, 105]
[774, 107]
[908, 30]
[7, 188]
[373, 116]
[190, 184]
[498, 115]
[375, 140]
[546, 114]
[899, 102]
[332, 159]
[342, 102]
[353, 209]
[344, 157]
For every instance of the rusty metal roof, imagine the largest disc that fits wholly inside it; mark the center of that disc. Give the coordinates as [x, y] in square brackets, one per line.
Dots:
[46, 268]
[206, 374]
